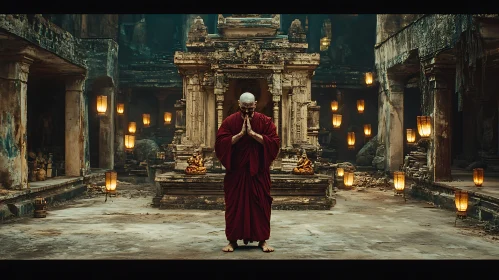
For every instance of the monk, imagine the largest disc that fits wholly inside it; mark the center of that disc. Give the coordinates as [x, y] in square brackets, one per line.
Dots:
[246, 144]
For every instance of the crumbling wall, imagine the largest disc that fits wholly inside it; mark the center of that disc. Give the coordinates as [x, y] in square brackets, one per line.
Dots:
[389, 24]
[43, 33]
[424, 38]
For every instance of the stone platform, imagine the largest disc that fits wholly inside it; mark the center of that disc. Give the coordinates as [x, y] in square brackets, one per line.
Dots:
[290, 192]
[483, 202]
[17, 203]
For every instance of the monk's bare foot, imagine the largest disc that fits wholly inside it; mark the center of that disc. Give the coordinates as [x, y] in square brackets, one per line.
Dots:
[230, 247]
[265, 247]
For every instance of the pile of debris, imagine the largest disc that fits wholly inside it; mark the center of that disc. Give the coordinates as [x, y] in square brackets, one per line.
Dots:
[415, 164]
[371, 180]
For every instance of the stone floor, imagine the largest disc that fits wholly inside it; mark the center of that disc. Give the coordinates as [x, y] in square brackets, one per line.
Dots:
[368, 224]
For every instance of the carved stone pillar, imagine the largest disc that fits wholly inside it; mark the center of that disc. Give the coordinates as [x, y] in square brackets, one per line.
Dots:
[313, 123]
[300, 101]
[13, 107]
[441, 157]
[395, 124]
[276, 115]
[75, 127]
[276, 90]
[195, 103]
[219, 89]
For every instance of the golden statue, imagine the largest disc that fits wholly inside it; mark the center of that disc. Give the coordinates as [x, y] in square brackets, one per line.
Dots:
[195, 164]
[304, 166]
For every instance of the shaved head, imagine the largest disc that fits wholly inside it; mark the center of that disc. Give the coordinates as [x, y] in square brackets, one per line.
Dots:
[247, 104]
[247, 97]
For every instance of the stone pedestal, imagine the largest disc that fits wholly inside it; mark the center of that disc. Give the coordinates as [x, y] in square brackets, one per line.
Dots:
[290, 192]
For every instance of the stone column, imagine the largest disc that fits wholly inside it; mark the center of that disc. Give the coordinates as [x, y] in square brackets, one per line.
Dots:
[382, 101]
[276, 96]
[300, 101]
[289, 125]
[75, 126]
[195, 122]
[395, 124]
[106, 131]
[13, 121]
[219, 89]
[441, 124]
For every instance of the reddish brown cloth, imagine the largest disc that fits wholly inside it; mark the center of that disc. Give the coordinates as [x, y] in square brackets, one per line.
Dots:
[247, 178]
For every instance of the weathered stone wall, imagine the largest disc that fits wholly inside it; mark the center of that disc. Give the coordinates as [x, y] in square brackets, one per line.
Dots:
[99, 26]
[40, 32]
[389, 24]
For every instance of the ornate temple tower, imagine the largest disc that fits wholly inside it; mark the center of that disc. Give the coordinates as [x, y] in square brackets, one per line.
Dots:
[247, 54]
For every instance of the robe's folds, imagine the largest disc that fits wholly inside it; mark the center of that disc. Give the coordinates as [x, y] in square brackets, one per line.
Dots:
[247, 179]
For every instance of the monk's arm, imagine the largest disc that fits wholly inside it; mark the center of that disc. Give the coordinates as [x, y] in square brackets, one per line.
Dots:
[236, 137]
[256, 136]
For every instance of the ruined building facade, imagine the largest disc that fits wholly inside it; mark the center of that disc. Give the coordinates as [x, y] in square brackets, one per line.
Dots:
[444, 67]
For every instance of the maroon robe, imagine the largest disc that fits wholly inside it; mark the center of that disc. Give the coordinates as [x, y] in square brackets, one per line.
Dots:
[247, 178]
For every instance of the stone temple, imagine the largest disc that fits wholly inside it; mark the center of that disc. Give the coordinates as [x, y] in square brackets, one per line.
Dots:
[247, 54]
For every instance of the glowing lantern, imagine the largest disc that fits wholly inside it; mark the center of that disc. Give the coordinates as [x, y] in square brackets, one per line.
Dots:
[369, 78]
[120, 108]
[348, 179]
[367, 130]
[132, 127]
[399, 181]
[334, 105]
[129, 141]
[478, 176]
[351, 140]
[461, 199]
[325, 42]
[146, 119]
[411, 135]
[360, 106]
[101, 104]
[336, 121]
[111, 177]
[168, 117]
[340, 172]
[424, 126]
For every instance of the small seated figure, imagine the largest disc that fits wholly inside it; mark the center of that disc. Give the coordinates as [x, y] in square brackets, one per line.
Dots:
[195, 164]
[40, 164]
[304, 166]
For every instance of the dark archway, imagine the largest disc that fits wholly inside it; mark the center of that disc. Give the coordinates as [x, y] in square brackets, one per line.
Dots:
[258, 87]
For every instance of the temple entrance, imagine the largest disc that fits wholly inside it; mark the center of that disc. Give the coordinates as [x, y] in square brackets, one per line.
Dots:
[412, 109]
[258, 87]
[46, 125]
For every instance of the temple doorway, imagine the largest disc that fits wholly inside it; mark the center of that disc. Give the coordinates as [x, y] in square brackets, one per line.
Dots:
[46, 125]
[258, 87]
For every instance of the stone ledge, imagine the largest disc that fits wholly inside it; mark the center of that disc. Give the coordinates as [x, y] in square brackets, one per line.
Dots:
[26, 207]
[482, 207]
